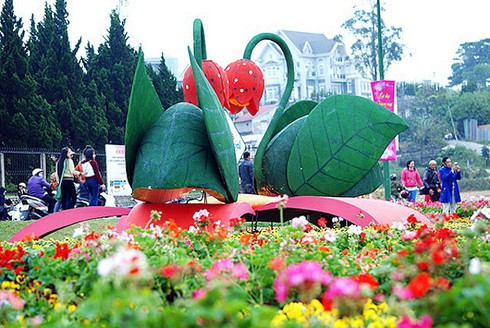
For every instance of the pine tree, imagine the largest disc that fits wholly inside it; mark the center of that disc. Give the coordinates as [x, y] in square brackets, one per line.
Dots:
[56, 70]
[112, 70]
[165, 84]
[22, 111]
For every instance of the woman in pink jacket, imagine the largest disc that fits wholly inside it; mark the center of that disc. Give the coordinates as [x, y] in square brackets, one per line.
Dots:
[410, 179]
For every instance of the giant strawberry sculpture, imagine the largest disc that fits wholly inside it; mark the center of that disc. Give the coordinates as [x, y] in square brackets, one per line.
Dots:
[329, 148]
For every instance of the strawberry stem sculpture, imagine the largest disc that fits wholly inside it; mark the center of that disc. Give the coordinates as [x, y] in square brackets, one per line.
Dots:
[329, 148]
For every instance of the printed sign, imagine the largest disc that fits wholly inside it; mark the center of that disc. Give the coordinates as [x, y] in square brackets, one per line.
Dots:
[384, 93]
[117, 181]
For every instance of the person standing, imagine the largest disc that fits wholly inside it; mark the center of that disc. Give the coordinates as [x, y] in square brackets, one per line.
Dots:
[38, 188]
[431, 183]
[410, 180]
[246, 172]
[449, 188]
[66, 166]
[93, 178]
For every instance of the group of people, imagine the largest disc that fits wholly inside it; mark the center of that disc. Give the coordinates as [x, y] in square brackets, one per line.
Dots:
[63, 181]
[437, 185]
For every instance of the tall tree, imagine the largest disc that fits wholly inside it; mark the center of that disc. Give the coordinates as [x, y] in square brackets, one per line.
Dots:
[112, 70]
[25, 117]
[57, 71]
[365, 49]
[165, 84]
[472, 65]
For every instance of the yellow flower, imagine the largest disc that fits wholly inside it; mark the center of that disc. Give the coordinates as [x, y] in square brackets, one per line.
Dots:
[6, 284]
[20, 279]
[72, 308]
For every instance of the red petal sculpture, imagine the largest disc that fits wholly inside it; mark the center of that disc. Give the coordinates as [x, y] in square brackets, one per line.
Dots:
[216, 77]
[246, 86]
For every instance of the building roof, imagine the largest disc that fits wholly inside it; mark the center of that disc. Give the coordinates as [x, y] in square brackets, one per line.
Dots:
[485, 126]
[247, 117]
[319, 43]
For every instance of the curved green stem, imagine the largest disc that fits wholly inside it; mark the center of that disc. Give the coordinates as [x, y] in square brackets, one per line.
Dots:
[269, 134]
[199, 42]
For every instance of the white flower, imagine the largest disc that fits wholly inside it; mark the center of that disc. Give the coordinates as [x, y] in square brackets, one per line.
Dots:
[330, 236]
[354, 229]
[301, 221]
[398, 225]
[82, 230]
[200, 213]
[475, 266]
[193, 229]
[335, 219]
[123, 263]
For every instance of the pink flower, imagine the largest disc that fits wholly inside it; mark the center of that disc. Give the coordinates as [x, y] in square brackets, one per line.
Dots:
[407, 322]
[198, 294]
[305, 277]
[226, 267]
[343, 286]
[7, 297]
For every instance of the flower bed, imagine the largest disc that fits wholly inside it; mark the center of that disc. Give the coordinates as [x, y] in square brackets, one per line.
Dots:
[406, 275]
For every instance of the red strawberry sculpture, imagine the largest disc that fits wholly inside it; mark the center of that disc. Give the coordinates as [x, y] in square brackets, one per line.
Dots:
[246, 86]
[217, 78]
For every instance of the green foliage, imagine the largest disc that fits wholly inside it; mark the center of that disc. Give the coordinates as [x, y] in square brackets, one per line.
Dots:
[474, 105]
[339, 143]
[365, 49]
[165, 84]
[472, 65]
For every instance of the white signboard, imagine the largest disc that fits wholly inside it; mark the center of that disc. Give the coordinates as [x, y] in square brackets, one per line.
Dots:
[117, 181]
[237, 139]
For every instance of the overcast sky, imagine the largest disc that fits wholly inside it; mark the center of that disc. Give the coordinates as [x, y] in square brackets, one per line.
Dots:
[432, 29]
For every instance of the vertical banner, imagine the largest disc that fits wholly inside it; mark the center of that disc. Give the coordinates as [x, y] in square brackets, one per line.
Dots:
[384, 93]
[117, 181]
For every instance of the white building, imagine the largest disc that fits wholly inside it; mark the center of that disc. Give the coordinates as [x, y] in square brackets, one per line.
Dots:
[322, 67]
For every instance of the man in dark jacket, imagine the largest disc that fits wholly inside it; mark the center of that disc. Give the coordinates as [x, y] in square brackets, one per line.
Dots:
[246, 172]
[431, 182]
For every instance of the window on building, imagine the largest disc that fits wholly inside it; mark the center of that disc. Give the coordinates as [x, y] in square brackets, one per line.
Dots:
[272, 94]
[321, 70]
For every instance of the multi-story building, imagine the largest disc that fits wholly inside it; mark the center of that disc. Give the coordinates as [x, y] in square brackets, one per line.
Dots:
[322, 67]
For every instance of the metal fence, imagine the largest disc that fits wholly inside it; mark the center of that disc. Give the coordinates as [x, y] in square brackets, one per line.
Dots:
[16, 165]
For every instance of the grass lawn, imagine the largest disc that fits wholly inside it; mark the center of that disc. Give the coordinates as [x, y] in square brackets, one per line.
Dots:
[10, 228]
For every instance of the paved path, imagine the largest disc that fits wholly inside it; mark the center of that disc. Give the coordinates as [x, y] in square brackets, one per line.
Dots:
[468, 144]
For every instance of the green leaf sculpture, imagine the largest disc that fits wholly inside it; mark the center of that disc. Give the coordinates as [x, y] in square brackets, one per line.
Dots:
[369, 183]
[340, 142]
[143, 110]
[175, 153]
[219, 133]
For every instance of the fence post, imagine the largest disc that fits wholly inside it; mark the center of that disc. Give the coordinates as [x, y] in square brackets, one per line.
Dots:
[43, 165]
[2, 170]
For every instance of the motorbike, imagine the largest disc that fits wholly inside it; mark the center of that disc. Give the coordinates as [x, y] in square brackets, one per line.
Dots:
[83, 197]
[29, 208]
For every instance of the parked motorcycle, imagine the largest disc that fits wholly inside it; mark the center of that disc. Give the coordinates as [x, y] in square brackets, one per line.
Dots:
[29, 208]
[83, 197]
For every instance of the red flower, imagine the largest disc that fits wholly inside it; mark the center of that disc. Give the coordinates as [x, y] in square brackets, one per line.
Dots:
[423, 265]
[363, 236]
[412, 219]
[437, 257]
[419, 285]
[62, 251]
[216, 77]
[246, 86]
[366, 278]
[322, 221]
[277, 263]
[170, 270]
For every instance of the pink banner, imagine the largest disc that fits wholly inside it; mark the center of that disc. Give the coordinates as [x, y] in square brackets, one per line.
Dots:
[384, 94]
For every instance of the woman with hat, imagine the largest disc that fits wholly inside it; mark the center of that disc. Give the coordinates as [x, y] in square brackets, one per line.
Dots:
[431, 183]
[37, 188]
[66, 168]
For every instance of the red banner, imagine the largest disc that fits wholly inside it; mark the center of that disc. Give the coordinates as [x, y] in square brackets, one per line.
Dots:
[384, 93]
